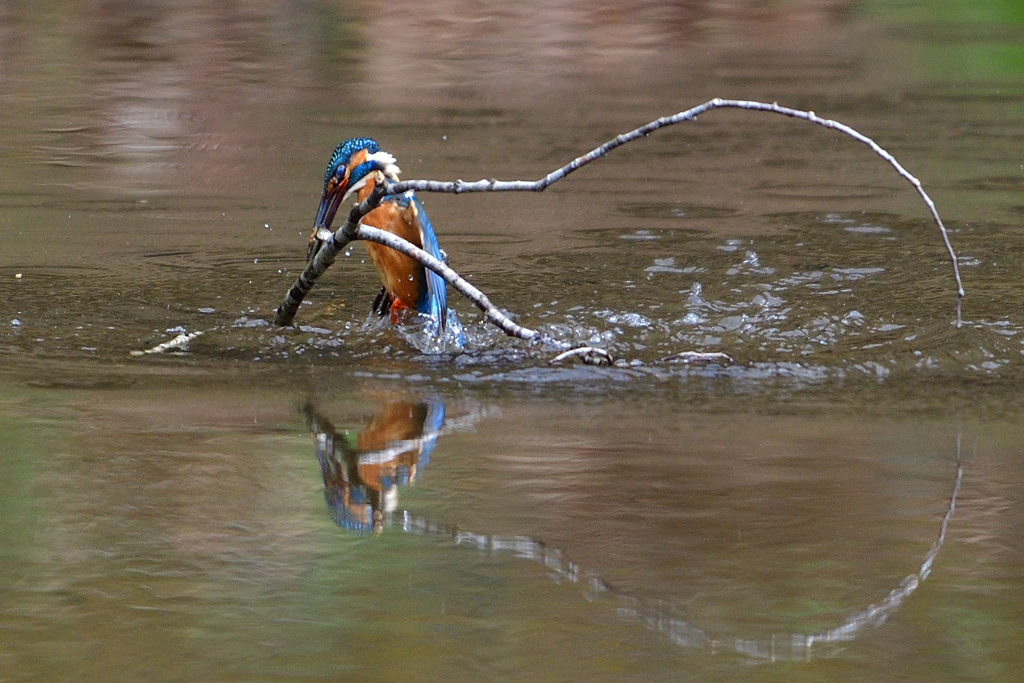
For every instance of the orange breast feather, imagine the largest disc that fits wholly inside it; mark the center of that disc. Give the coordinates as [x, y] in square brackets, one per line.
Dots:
[404, 278]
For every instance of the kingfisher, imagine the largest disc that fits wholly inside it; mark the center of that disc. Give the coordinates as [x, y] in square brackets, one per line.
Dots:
[356, 167]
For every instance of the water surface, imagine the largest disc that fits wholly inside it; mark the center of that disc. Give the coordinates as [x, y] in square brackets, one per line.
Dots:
[326, 501]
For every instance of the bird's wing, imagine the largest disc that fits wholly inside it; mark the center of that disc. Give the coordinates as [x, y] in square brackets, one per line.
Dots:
[436, 305]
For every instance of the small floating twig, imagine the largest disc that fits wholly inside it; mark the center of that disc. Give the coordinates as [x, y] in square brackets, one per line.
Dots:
[590, 355]
[701, 357]
[179, 342]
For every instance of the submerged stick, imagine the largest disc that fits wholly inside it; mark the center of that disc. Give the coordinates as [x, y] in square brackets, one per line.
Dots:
[350, 230]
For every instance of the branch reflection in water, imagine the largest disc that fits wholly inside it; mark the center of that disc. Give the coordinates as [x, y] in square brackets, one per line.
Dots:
[362, 474]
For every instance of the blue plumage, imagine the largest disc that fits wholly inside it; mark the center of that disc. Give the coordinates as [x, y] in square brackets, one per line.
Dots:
[344, 151]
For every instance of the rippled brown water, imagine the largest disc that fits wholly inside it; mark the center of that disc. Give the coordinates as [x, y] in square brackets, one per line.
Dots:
[208, 514]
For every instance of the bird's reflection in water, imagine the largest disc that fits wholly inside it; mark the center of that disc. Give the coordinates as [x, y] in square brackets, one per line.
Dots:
[362, 473]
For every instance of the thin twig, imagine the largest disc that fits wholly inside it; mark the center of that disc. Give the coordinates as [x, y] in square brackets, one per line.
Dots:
[371, 234]
[350, 230]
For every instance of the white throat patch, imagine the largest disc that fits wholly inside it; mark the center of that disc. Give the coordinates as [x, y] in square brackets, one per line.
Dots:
[391, 169]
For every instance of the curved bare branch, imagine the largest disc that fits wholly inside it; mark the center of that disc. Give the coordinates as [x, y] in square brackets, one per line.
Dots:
[351, 229]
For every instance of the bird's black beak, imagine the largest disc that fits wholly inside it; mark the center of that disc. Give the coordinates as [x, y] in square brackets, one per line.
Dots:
[329, 204]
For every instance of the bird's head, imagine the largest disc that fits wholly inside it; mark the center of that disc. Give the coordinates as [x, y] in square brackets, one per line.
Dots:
[354, 163]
